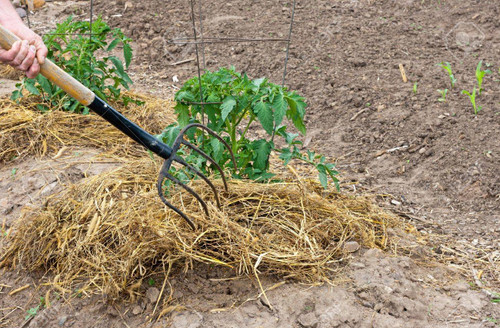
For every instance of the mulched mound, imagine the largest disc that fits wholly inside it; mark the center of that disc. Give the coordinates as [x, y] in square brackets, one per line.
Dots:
[110, 232]
[25, 131]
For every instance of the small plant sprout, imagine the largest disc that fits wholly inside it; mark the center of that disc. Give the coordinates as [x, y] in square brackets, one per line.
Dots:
[415, 87]
[443, 95]
[447, 67]
[472, 97]
[495, 321]
[480, 74]
[31, 313]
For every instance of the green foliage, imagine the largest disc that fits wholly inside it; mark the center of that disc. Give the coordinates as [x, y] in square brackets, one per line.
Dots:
[495, 321]
[447, 66]
[31, 313]
[415, 87]
[480, 74]
[443, 95]
[472, 98]
[235, 102]
[71, 49]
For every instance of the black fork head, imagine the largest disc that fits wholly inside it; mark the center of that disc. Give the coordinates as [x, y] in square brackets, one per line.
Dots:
[165, 174]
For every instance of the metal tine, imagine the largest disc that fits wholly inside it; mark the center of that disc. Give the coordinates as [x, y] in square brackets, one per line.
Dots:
[212, 133]
[164, 172]
[202, 153]
[201, 175]
[172, 207]
[165, 175]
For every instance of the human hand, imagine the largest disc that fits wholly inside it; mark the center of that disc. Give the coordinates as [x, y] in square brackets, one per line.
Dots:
[26, 55]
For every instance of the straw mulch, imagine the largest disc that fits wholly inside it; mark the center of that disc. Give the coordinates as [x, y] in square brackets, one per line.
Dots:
[109, 232]
[25, 131]
[8, 72]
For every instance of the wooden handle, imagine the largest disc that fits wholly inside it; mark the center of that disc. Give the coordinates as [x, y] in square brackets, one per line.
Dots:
[53, 73]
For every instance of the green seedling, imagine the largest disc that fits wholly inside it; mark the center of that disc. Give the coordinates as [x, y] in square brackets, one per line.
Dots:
[235, 103]
[151, 282]
[495, 321]
[472, 98]
[13, 172]
[443, 95]
[415, 87]
[447, 66]
[31, 313]
[480, 74]
[496, 296]
[89, 60]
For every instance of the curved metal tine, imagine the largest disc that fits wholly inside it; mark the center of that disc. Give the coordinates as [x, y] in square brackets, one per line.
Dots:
[188, 189]
[213, 134]
[175, 209]
[161, 177]
[201, 175]
[210, 159]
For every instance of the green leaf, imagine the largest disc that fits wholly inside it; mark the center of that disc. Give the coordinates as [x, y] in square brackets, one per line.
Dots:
[299, 124]
[296, 111]
[182, 112]
[29, 84]
[323, 179]
[286, 155]
[16, 94]
[42, 108]
[169, 134]
[265, 115]
[45, 84]
[185, 96]
[258, 82]
[118, 65]
[100, 94]
[113, 44]
[227, 107]
[262, 150]
[127, 54]
[217, 148]
[280, 106]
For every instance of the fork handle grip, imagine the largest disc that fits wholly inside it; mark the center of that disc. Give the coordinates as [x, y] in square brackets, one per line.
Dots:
[53, 73]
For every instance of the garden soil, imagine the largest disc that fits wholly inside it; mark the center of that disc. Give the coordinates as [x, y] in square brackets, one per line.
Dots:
[433, 161]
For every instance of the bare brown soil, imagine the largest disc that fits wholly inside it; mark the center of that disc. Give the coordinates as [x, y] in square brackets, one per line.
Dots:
[435, 161]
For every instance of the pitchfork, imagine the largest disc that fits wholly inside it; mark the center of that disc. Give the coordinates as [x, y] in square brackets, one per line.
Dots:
[87, 98]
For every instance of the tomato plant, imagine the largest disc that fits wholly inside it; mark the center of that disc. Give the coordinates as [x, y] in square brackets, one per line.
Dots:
[233, 103]
[71, 48]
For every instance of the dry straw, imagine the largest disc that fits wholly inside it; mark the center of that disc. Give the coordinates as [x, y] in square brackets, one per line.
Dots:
[25, 131]
[10, 73]
[109, 232]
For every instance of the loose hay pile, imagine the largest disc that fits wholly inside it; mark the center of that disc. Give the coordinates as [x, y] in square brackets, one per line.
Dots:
[111, 231]
[8, 72]
[24, 130]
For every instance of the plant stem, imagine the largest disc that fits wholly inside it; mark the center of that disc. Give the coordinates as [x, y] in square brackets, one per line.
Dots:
[234, 144]
[247, 127]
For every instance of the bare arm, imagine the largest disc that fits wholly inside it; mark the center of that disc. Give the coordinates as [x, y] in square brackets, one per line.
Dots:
[26, 55]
